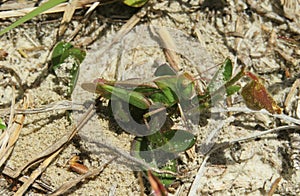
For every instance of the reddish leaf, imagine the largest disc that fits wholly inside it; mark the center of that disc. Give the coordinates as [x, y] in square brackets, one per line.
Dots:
[77, 167]
[257, 97]
[157, 186]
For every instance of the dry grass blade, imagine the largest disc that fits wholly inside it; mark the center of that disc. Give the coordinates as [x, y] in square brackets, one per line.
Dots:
[39, 185]
[141, 182]
[59, 144]
[130, 24]
[127, 156]
[247, 110]
[36, 173]
[194, 187]
[69, 11]
[65, 187]
[11, 135]
[56, 9]
[209, 140]
[169, 47]
[86, 18]
[59, 105]
[274, 186]
[52, 152]
[5, 135]
[287, 127]
[291, 93]
[197, 180]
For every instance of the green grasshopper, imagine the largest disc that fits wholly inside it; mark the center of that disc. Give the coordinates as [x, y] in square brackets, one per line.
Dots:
[166, 90]
[166, 94]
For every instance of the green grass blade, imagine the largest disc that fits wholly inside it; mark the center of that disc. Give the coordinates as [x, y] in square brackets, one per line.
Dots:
[49, 4]
[135, 3]
[2, 125]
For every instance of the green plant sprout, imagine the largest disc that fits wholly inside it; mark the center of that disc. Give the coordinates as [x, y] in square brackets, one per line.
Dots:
[63, 51]
[2, 125]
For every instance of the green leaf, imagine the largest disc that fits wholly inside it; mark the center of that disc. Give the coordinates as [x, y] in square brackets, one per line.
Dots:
[178, 141]
[171, 141]
[60, 53]
[138, 146]
[2, 125]
[140, 149]
[227, 70]
[135, 3]
[159, 97]
[79, 56]
[232, 89]
[223, 75]
[74, 76]
[49, 4]
[168, 179]
[76, 53]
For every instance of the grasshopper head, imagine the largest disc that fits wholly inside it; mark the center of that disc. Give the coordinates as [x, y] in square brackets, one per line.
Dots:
[98, 87]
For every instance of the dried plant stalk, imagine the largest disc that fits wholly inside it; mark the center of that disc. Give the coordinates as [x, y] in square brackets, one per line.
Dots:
[59, 105]
[58, 145]
[36, 173]
[68, 13]
[11, 134]
[68, 185]
[56, 9]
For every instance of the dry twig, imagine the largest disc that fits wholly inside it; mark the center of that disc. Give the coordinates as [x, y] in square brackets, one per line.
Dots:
[38, 184]
[59, 144]
[130, 24]
[36, 173]
[50, 153]
[11, 134]
[274, 186]
[263, 111]
[86, 18]
[65, 187]
[287, 101]
[169, 47]
[68, 13]
[195, 186]
[59, 105]
[59, 8]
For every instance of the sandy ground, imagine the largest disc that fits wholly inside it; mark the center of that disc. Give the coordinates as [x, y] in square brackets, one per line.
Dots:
[263, 37]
